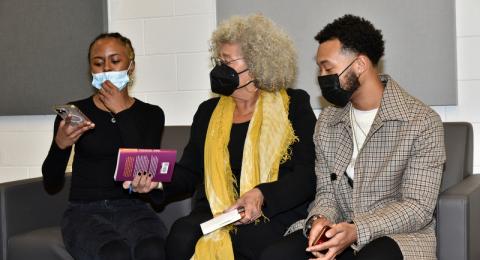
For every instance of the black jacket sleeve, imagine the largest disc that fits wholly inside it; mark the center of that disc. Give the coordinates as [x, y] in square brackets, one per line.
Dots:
[296, 182]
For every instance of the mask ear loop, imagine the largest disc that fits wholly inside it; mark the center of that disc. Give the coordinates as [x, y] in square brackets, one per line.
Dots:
[130, 75]
[351, 63]
[242, 71]
[129, 65]
[246, 84]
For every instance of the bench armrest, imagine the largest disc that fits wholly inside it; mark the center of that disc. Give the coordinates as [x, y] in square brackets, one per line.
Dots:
[28, 204]
[458, 225]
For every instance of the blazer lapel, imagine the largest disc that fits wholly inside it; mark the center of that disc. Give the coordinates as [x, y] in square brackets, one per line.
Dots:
[344, 143]
[393, 107]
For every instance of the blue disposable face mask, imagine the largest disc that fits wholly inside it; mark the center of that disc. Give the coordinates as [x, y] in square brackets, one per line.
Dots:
[118, 78]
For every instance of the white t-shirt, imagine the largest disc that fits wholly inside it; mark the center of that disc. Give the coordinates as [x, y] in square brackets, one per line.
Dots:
[361, 121]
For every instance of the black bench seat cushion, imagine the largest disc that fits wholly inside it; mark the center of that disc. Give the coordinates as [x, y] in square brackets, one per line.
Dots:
[44, 243]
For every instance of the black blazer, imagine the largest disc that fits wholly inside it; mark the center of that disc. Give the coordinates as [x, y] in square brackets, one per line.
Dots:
[286, 199]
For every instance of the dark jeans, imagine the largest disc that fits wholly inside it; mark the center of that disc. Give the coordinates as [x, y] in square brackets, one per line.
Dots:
[293, 247]
[113, 229]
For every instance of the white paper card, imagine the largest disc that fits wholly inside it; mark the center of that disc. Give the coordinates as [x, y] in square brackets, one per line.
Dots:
[220, 221]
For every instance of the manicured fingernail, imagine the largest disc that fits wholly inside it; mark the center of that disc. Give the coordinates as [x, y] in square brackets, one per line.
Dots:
[139, 173]
[144, 173]
[149, 175]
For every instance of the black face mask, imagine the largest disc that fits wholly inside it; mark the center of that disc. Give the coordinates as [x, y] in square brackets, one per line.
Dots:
[224, 80]
[332, 90]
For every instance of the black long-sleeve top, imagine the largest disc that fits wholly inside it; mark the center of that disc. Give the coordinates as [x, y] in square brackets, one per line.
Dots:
[286, 199]
[139, 126]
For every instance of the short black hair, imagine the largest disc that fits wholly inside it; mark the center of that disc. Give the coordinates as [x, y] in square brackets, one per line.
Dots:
[115, 35]
[356, 34]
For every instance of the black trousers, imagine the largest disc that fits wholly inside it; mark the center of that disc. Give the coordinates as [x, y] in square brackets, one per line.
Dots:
[293, 247]
[248, 241]
[113, 229]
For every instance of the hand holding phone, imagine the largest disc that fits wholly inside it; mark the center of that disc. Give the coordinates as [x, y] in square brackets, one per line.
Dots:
[321, 238]
[76, 116]
[74, 125]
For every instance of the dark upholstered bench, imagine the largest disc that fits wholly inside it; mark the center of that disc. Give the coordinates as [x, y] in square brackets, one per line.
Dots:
[30, 216]
[31, 213]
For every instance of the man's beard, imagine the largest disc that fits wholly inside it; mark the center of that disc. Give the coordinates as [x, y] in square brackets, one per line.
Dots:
[351, 82]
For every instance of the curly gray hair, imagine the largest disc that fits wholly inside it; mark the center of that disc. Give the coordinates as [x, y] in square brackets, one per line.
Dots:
[268, 51]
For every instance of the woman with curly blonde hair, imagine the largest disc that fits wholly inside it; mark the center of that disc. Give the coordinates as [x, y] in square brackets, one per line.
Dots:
[251, 148]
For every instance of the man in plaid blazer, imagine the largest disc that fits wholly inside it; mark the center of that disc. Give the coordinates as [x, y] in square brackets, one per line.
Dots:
[379, 158]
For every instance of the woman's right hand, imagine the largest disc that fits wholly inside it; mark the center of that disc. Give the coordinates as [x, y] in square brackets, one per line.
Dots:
[68, 134]
[142, 183]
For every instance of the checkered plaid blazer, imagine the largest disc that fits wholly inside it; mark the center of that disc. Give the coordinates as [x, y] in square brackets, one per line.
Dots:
[397, 173]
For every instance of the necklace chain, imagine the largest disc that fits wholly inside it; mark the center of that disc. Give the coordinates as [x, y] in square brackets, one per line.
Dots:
[113, 120]
[353, 120]
[352, 116]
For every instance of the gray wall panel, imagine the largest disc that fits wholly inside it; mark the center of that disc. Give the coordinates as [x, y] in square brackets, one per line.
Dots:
[420, 39]
[43, 52]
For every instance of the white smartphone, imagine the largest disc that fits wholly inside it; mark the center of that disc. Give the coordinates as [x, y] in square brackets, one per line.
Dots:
[77, 116]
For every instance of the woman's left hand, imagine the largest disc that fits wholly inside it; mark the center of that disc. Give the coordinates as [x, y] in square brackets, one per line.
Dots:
[112, 98]
[252, 202]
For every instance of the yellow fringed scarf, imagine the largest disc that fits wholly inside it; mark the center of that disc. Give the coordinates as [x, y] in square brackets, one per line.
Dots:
[269, 137]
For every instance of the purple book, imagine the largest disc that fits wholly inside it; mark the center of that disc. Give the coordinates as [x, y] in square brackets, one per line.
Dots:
[158, 162]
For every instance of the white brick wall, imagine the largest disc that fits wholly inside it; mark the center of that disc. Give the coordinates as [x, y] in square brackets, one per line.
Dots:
[468, 58]
[24, 143]
[171, 42]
